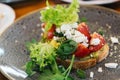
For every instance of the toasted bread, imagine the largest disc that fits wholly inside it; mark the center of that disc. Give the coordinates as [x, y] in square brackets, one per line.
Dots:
[84, 64]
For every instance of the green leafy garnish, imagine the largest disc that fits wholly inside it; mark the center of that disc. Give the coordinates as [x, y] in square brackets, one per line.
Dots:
[60, 15]
[81, 74]
[100, 31]
[83, 19]
[49, 75]
[29, 67]
[66, 48]
[42, 54]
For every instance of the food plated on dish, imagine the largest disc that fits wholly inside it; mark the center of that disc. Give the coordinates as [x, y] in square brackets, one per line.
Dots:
[65, 41]
[14, 40]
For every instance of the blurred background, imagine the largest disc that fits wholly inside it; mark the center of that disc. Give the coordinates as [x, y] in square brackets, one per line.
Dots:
[22, 7]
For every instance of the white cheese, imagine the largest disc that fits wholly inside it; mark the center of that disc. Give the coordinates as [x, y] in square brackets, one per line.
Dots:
[114, 40]
[65, 27]
[74, 25]
[100, 69]
[95, 41]
[68, 34]
[69, 30]
[55, 38]
[79, 37]
[91, 74]
[85, 44]
[58, 30]
[111, 65]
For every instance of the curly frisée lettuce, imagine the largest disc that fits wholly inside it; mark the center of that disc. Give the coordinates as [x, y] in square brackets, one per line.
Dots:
[41, 54]
[60, 14]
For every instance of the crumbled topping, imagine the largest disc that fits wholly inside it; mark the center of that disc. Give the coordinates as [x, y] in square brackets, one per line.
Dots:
[85, 44]
[95, 41]
[111, 53]
[38, 25]
[91, 74]
[114, 40]
[70, 31]
[58, 30]
[55, 38]
[16, 41]
[111, 65]
[100, 69]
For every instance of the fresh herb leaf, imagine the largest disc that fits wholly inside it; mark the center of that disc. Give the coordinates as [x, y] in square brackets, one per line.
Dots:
[82, 19]
[60, 15]
[66, 48]
[61, 39]
[67, 72]
[58, 34]
[100, 31]
[61, 68]
[28, 44]
[50, 75]
[81, 74]
[29, 67]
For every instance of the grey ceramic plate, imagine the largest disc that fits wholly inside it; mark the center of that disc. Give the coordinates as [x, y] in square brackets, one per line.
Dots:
[13, 53]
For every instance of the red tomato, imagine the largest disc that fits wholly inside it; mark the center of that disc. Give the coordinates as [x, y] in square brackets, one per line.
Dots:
[50, 32]
[93, 48]
[83, 28]
[81, 51]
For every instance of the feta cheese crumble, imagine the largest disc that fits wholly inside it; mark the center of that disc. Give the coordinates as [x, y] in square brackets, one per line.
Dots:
[55, 38]
[100, 69]
[58, 30]
[71, 32]
[111, 65]
[95, 41]
[91, 74]
[114, 40]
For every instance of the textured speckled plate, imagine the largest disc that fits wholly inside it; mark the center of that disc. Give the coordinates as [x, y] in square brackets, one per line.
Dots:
[13, 53]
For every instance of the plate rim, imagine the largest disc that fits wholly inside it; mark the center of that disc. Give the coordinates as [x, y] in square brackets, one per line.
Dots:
[92, 2]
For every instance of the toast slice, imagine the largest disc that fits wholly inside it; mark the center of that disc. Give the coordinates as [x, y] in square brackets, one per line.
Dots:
[84, 64]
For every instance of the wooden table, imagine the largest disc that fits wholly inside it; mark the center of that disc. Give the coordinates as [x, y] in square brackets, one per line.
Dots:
[23, 8]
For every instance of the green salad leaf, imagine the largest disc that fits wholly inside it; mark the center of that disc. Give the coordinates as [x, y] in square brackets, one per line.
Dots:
[66, 48]
[29, 67]
[49, 75]
[60, 14]
[42, 53]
